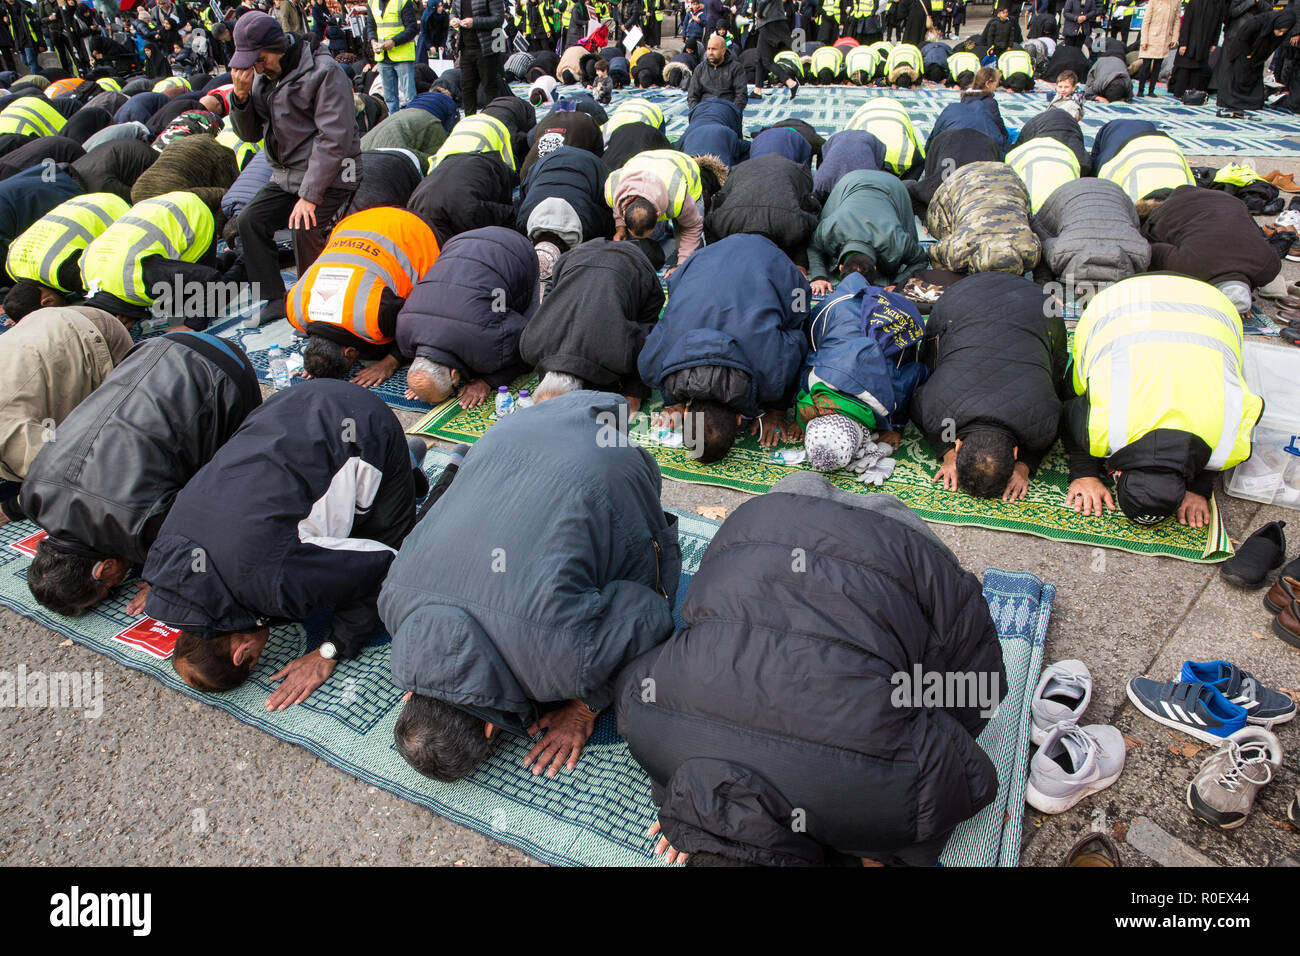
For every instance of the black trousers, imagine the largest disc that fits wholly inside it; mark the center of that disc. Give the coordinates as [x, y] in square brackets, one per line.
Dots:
[477, 67]
[258, 222]
[772, 39]
[1150, 71]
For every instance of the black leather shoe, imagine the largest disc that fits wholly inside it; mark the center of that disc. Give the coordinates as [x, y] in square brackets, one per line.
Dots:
[1263, 552]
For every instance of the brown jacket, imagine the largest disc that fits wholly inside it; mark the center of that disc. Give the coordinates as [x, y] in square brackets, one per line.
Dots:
[1159, 29]
[50, 362]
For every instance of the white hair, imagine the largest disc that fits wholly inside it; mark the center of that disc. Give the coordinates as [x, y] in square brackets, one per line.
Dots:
[439, 375]
[554, 384]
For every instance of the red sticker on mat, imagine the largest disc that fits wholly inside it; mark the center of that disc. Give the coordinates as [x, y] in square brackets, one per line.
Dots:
[28, 544]
[152, 637]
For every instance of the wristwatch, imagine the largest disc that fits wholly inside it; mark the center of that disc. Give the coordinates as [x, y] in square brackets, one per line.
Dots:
[329, 651]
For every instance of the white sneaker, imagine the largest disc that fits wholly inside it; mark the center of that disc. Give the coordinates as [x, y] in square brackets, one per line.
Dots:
[1288, 218]
[1073, 763]
[1063, 694]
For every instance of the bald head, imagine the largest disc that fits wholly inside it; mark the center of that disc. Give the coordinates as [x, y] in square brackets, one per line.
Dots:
[717, 49]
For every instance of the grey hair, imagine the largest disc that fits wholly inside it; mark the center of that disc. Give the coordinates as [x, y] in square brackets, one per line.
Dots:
[556, 383]
[440, 375]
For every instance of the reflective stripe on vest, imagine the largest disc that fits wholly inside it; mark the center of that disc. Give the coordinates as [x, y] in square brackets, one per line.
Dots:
[388, 24]
[479, 133]
[790, 60]
[827, 58]
[1015, 61]
[679, 173]
[1146, 164]
[31, 114]
[176, 225]
[65, 231]
[888, 121]
[108, 84]
[1188, 377]
[904, 55]
[863, 9]
[361, 261]
[963, 62]
[1043, 165]
[634, 111]
[860, 59]
[169, 82]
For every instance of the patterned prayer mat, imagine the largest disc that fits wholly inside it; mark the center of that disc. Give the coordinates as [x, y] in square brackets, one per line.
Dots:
[1043, 512]
[594, 816]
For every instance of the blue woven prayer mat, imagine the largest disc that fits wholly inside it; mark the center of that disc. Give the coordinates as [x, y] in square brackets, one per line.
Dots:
[598, 814]
[828, 108]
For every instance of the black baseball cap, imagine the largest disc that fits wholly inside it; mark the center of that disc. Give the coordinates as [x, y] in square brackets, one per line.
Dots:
[1148, 497]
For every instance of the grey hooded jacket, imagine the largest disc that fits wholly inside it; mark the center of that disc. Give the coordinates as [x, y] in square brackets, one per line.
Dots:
[546, 566]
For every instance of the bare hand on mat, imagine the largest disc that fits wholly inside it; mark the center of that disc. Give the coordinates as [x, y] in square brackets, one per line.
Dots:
[1194, 511]
[376, 373]
[947, 472]
[474, 394]
[665, 848]
[136, 604]
[670, 416]
[300, 677]
[566, 731]
[1019, 483]
[1086, 496]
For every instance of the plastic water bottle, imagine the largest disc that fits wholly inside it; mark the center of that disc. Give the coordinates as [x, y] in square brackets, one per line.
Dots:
[505, 405]
[525, 400]
[279, 368]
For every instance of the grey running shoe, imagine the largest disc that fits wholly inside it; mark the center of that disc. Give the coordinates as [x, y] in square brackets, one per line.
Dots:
[1063, 694]
[1224, 789]
[1074, 762]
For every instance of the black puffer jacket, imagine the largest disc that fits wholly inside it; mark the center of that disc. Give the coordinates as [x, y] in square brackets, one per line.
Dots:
[455, 315]
[104, 488]
[465, 191]
[114, 167]
[592, 324]
[631, 139]
[388, 178]
[1003, 366]
[575, 176]
[769, 196]
[1209, 235]
[736, 732]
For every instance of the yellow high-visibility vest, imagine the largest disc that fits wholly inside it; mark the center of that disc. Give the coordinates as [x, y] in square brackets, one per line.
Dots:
[65, 231]
[1044, 165]
[176, 225]
[170, 82]
[1147, 163]
[679, 173]
[860, 59]
[635, 110]
[1015, 61]
[904, 55]
[388, 24]
[886, 119]
[827, 58]
[1158, 351]
[30, 115]
[479, 133]
[963, 62]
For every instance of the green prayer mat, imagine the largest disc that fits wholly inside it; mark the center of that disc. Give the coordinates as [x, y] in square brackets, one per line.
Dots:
[1043, 512]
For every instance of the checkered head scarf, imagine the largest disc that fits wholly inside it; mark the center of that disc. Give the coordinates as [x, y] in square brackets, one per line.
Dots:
[832, 441]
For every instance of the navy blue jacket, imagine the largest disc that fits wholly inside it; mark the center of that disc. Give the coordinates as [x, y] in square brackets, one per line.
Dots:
[713, 139]
[456, 316]
[972, 112]
[783, 142]
[1115, 135]
[845, 152]
[716, 110]
[28, 196]
[749, 324]
[140, 107]
[321, 479]
[576, 176]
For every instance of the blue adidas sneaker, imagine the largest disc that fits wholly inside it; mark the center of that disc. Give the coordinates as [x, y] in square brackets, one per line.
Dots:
[1263, 705]
[1196, 709]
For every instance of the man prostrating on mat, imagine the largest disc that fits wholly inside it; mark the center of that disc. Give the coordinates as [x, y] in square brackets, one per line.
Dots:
[302, 509]
[776, 727]
[546, 565]
[1162, 399]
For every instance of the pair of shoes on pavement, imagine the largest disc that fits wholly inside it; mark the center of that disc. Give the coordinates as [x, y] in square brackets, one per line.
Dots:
[1283, 181]
[1223, 791]
[1210, 701]
[1072, 762]
[1262, 554]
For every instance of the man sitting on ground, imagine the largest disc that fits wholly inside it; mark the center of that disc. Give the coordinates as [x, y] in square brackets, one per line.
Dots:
[589, 585]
